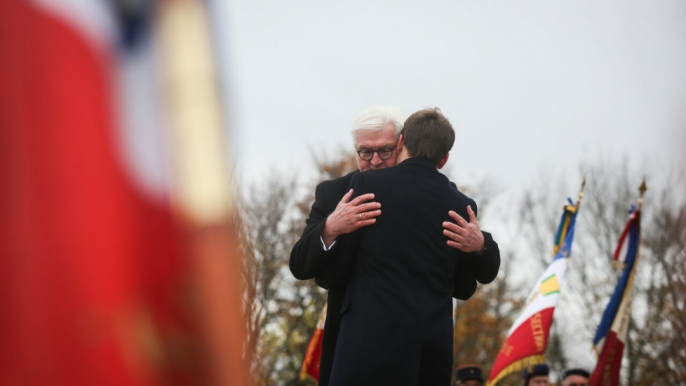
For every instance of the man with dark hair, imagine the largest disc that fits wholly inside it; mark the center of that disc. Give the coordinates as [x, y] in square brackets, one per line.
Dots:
[575, 377]
[470, 375]
[334, 213]
[396, 320]
[429, 136]
[536, 375]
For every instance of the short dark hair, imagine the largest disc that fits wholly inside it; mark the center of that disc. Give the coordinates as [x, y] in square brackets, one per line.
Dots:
[469, 372]
[428, 134]
[580, 372]
[534, 371]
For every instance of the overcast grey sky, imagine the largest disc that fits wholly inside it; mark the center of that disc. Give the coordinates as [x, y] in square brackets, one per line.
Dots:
[529, 86]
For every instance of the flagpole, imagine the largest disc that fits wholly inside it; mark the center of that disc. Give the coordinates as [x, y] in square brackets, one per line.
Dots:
[535, 321]
[204, 193]
[569, 212]
[581, 193]
[632, 276]
[641, 189]
[639, 203]
[628, 289]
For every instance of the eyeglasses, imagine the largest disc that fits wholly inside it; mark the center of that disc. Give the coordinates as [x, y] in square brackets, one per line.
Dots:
[367, 154]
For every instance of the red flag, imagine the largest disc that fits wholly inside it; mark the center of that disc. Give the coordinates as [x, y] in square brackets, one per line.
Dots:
[313, 356]
[527, 339]
[98, 283]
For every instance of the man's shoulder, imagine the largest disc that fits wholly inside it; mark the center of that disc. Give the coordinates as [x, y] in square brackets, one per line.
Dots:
[337, 184]
[462, 199]
[380, 173]
[457, 191]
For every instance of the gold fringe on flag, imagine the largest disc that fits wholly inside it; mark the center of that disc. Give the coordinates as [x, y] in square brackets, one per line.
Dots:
[518, 366]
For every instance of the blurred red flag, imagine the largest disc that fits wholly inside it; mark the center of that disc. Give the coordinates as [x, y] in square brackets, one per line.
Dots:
[98, 279]
[313, 356]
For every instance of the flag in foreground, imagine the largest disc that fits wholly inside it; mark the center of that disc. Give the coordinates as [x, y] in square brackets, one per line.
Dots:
[107, 277]
[613, 328]
[527, 340]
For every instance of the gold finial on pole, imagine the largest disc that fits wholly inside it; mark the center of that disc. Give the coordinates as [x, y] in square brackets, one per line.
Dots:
[581, 192]
[641, 189]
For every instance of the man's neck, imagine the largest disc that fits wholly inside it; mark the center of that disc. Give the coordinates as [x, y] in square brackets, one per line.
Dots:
[402, 156]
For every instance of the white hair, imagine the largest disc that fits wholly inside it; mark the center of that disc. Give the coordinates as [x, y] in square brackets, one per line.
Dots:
[375, 118]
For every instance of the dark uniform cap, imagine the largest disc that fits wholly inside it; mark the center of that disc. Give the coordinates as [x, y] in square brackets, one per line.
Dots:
[467, 372]
[535, 371]
[581, 372]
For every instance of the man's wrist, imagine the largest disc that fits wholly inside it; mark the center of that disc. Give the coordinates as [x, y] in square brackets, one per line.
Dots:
[482, 251]
[325, 246]
[328, 237]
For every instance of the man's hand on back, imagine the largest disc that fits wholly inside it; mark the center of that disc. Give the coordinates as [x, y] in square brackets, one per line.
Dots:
[350, 216]
[463, 235]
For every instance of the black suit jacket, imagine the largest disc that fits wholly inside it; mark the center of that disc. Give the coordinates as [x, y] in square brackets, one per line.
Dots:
[396, 320]
[308, 260]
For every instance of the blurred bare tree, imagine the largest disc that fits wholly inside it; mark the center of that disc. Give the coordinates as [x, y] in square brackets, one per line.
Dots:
[265, 215]
[282, 311]
[655, 351]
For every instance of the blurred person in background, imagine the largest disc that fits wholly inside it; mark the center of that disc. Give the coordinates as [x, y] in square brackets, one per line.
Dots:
[575, 377]
[536, 375]
[470, 375]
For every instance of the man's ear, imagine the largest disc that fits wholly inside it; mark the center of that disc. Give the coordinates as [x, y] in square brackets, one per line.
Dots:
[443, 160]
[401, 143]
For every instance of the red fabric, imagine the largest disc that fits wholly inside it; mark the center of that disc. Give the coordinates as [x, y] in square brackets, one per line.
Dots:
[87, 263]
[606, 372]
[529, 339]
[622, 238]
[313, 356]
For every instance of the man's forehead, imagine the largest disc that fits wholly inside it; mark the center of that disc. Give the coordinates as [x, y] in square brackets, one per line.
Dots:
[386, 136]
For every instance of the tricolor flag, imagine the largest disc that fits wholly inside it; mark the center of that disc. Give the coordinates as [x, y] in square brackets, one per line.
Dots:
[109, 273]
[313, 356]
[612, 332]
[527, 340]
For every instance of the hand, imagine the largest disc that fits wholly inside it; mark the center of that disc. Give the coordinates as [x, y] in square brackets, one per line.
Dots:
[464, 236]
[350, 216]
